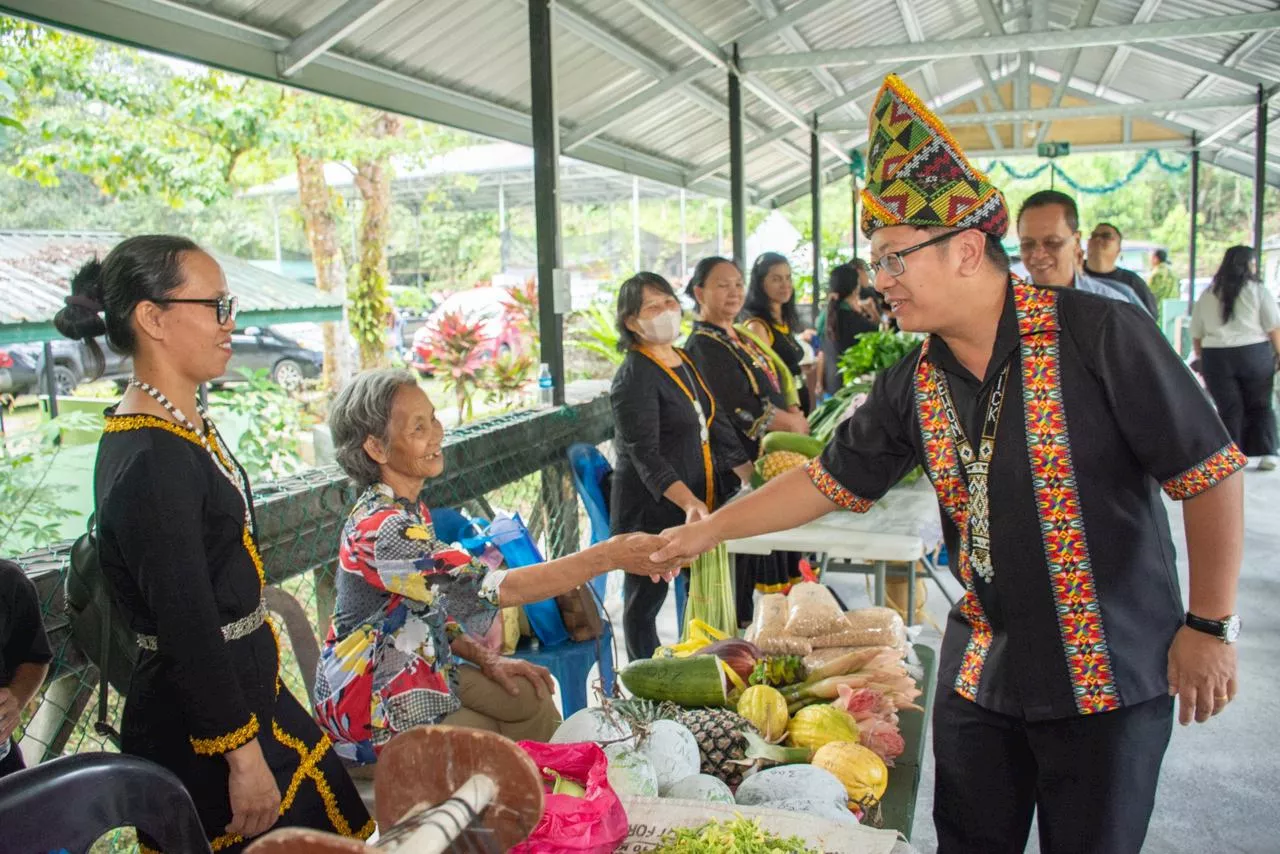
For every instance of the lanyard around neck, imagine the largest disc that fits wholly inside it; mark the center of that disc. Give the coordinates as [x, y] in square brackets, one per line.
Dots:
[704, 421]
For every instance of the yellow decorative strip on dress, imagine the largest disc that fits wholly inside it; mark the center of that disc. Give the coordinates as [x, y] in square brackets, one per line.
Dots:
[228, 742]
[124, 423]
[833, 489]
[1214, 469]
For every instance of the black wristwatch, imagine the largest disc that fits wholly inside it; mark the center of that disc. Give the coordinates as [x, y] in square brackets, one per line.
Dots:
[1227, 630]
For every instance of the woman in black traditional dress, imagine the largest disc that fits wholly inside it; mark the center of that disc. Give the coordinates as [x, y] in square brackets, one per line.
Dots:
[176, 540]
[746, 385]
[678, 456]
[770, 314]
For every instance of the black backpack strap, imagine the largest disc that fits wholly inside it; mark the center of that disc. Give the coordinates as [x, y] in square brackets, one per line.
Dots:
[102, 726]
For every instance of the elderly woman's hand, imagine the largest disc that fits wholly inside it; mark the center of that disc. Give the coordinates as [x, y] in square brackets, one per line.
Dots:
[506, 671]
[631, 552]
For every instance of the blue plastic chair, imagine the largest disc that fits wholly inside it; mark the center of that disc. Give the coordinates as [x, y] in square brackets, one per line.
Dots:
[571, 664]
[589, 468]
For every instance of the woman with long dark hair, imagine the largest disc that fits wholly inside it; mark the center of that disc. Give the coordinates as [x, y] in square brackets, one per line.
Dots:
[747, 384]
[851, 311]
[1235, 329]
[177, 543]
[678, 457]
[770, 314]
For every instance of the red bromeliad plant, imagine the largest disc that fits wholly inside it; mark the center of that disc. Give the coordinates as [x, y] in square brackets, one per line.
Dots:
[521, 306]
[458, 358]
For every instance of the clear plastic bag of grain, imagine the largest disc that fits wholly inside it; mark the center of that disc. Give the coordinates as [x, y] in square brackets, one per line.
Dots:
[812, 611]
[867, 627]
[768, 628]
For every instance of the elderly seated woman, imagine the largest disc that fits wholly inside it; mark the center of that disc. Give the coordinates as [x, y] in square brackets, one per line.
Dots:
[407, 604]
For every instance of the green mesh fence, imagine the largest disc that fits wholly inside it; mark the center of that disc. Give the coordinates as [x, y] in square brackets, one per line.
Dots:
[515, 462]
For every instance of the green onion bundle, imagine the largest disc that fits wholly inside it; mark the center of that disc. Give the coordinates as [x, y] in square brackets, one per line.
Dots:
[711, 597]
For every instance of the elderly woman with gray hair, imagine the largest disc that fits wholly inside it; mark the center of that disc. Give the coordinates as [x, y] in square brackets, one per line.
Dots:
[407, 603]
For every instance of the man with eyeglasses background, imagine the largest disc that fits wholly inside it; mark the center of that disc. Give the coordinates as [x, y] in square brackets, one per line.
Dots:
[1047, 422]
[1102, 262]
[1049, 241]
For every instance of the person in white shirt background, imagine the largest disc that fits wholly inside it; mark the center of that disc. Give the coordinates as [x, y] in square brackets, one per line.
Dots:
[1235, 330]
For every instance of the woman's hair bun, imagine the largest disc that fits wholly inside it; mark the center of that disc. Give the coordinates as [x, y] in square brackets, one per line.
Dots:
[81, 317]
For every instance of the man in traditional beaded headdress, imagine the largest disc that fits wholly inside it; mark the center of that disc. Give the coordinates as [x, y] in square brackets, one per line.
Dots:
[1048, 421]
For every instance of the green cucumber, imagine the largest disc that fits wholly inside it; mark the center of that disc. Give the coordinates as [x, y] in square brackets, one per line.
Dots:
[796, 442]
[696, 681]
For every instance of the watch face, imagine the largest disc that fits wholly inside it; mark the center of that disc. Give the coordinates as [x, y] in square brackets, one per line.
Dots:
[1231, 629]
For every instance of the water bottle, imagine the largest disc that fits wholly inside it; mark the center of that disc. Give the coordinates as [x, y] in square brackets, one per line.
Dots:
[546, 388]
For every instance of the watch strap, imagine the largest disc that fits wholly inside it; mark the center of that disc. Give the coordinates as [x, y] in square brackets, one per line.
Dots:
[1217, 628]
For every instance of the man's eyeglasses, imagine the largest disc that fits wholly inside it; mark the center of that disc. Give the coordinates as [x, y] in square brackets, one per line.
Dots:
[1052, 245]
[893, 265]
[226, 307]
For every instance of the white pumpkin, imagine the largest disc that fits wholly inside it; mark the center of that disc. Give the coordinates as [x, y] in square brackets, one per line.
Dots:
[630, 772]
[788, 782]
[673, 751]
[700, 787]
[591, 725]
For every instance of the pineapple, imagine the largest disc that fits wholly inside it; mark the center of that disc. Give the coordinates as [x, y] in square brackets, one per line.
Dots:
[780, 462]
[720, 741]
[717, 731]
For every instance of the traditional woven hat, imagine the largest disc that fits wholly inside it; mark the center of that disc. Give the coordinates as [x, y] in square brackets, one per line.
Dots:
[917, 174]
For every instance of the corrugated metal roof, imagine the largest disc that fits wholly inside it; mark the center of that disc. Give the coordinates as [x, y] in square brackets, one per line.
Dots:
[36, 269]
[467, 64]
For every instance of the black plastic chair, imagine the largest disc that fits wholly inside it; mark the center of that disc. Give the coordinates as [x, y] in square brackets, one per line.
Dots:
[67, 804]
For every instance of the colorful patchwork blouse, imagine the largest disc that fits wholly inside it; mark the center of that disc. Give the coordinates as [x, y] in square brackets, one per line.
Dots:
[402, 597]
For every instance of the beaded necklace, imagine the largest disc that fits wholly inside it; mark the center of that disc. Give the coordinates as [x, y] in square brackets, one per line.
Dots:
[209, 438]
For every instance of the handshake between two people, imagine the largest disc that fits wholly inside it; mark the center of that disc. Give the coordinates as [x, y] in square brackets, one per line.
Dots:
[661, 556]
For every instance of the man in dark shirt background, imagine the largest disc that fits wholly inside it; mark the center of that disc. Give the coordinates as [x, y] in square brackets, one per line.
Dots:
[1104, 251]
[24, 657]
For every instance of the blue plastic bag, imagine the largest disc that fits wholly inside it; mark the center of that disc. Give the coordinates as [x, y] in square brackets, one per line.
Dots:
[510, 536]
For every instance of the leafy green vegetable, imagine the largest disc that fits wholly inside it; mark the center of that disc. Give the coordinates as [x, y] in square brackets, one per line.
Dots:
[874, 352]
[740, 836]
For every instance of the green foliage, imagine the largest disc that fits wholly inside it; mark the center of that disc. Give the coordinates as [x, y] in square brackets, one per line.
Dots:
[33, 509]
[417, 300]
[601, 335]
[874, 352]
[368, 303]
[507, 377]
[269, 447]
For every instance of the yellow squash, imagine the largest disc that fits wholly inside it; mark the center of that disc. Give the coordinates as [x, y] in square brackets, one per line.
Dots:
[766, 709]
[814, 726]
[863, 773]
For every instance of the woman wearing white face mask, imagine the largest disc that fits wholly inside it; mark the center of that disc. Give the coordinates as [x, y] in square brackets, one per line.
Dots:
[678, 456]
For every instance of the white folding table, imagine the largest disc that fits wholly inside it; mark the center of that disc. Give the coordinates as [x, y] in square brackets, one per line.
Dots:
[901, 528]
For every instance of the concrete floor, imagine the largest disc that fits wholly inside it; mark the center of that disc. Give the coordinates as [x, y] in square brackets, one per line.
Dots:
[1220, 780]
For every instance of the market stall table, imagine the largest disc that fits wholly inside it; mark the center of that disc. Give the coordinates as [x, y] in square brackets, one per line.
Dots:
[903, 527]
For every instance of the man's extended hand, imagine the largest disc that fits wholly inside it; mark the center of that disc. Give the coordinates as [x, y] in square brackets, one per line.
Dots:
[686, 542]
[1202, 673]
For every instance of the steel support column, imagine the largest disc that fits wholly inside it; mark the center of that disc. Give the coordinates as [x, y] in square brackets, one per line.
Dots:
[1259, 176]
[50, 384]
[815, 195]
[737, 171]
[546, 190]
[1194, 205]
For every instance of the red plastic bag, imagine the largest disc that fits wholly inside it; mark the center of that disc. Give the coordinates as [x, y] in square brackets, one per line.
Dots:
[593, 824]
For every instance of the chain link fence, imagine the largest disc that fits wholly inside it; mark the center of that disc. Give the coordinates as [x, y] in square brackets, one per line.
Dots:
[515, 462]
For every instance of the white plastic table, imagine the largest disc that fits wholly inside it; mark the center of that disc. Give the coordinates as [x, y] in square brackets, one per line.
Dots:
[900, 529]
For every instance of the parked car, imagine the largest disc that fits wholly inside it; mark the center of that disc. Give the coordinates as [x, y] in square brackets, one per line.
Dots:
[500, 333]
[254, 347]
[18, 373]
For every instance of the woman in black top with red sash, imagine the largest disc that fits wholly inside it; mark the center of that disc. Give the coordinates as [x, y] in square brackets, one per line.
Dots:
[745, 383]
[677, 454]
[770, 314]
